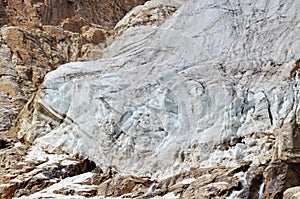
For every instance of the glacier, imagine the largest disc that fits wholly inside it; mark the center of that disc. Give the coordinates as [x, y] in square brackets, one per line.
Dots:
[215, 84]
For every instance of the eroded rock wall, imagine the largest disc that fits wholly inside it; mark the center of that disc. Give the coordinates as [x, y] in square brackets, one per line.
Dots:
[72, 14]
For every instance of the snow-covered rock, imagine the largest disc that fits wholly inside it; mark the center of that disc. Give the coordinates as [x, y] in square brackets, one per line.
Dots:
[217, 83]
[152, 13]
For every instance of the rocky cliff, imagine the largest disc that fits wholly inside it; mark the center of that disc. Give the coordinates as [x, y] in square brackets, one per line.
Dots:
[203, 104]
[71, 14]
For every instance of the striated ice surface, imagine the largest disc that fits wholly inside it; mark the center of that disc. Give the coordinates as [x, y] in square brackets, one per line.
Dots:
[164, 99]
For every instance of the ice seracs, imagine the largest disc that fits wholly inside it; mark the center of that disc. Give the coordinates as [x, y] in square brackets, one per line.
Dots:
[214, 84]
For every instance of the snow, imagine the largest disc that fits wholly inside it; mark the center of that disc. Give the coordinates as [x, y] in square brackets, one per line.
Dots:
[187, 181]
[170, 195]
[69, 182]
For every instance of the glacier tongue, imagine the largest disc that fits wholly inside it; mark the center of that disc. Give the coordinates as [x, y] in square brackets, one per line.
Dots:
[217, 83]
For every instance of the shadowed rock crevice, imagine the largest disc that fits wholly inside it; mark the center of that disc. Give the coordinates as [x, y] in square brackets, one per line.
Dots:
[4, 144]
[280, 176]
[3, 16]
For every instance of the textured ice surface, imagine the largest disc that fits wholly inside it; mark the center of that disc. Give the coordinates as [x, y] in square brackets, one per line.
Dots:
[162, 99]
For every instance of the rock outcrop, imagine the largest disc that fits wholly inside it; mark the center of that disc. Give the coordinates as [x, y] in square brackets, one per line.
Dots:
[71, 14]
[292, 193]
[23, 176]
[200, 104]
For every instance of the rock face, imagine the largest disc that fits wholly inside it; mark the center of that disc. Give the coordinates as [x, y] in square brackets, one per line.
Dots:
[71, 14]
[24, 176]
[200, 104]
[292, 193]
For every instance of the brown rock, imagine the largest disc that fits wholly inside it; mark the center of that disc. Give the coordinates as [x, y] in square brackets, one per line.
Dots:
[254, 180]
[88, 192]
[73, 24]
[212, 190]
[33, 13]
[99, 176]
[7, 190]
[200, 183]
[3, 16]
[121, 185]
[280, 176]
[292, 193]
[24, 178]
[95, 35]
[218, 184]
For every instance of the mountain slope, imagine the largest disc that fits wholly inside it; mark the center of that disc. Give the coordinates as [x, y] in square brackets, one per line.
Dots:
[215, 85]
